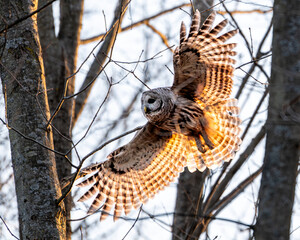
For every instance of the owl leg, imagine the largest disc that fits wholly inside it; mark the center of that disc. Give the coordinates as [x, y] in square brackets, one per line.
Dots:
[205, 141]
[199, 144]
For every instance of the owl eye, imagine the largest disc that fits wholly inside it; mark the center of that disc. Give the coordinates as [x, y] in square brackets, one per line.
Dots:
[151, 100]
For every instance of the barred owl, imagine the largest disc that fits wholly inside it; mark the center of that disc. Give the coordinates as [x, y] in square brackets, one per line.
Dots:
[192, 124]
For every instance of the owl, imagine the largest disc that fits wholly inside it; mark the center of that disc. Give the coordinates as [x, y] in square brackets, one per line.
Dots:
[191, 124]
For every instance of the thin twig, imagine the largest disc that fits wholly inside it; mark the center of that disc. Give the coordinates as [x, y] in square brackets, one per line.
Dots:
[158, 215]
[137, 218]
[8, 228]
[129, 27]
[238, 27]
[21, 19]
[144, 21]
[64, 97]
[37, 142]
[160, 34]
[94, 118]
[254, 61]
[259, 55]
[234, 193]
[220, 187]
[155, 56]
[99, 64]
[111, 140]
[255, 113]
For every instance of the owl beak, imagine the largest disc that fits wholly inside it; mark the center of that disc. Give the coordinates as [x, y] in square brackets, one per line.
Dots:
[146, 110]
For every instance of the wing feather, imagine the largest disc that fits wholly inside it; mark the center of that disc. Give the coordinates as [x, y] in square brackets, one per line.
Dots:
[203, 63]
[119, 201]
[207, 25]
[222, 130]
[182, 33]
[227, 35]
[203, 69]
[195, 24]
[135, 172]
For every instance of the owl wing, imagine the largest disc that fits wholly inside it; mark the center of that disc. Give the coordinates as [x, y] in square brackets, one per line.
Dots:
[203, 70]
[203, 63]
[135, 172]
[222, 130]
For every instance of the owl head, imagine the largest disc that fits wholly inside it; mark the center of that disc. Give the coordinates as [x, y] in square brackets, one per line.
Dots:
[157, 104]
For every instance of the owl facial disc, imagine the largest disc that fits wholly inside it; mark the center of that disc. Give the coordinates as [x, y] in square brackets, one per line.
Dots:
[152, 102]
[157, 104]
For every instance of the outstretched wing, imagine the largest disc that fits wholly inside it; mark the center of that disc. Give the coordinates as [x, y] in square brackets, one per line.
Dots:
[203, 63]
[135, 172]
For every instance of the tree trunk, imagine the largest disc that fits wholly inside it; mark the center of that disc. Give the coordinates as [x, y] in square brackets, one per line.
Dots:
[60, 58]
[189, 205]
[277, 189]
[23, 82]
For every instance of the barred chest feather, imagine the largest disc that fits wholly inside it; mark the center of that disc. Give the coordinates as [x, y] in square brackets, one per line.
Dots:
[186, 118]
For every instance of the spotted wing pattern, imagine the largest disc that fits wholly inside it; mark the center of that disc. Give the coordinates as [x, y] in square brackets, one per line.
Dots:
[135, 172]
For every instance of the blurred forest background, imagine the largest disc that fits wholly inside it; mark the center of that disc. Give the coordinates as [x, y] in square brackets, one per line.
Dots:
[72, 74]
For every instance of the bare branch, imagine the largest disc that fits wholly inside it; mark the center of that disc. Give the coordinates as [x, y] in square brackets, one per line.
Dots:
[35, 141]
[220, 205]
[247, 11]
[219, 187]
[137, 218]
[255, 113]
[160, 34]
[144, 21]
[158, 215]
[94, 118]
[97, 65]
[259, 55]
[238, 27]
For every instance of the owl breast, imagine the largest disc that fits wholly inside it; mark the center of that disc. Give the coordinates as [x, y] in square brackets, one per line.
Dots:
[187, 118]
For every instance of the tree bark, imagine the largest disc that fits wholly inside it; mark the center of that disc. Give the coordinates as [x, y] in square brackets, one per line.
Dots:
[23, 82]
[189, 205]
[60, 59]
[277, 191]
[69, 36]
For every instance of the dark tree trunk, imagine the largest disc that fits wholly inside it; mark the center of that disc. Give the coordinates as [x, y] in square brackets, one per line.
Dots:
[281, 161]
[24, 85]
[189, 205]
